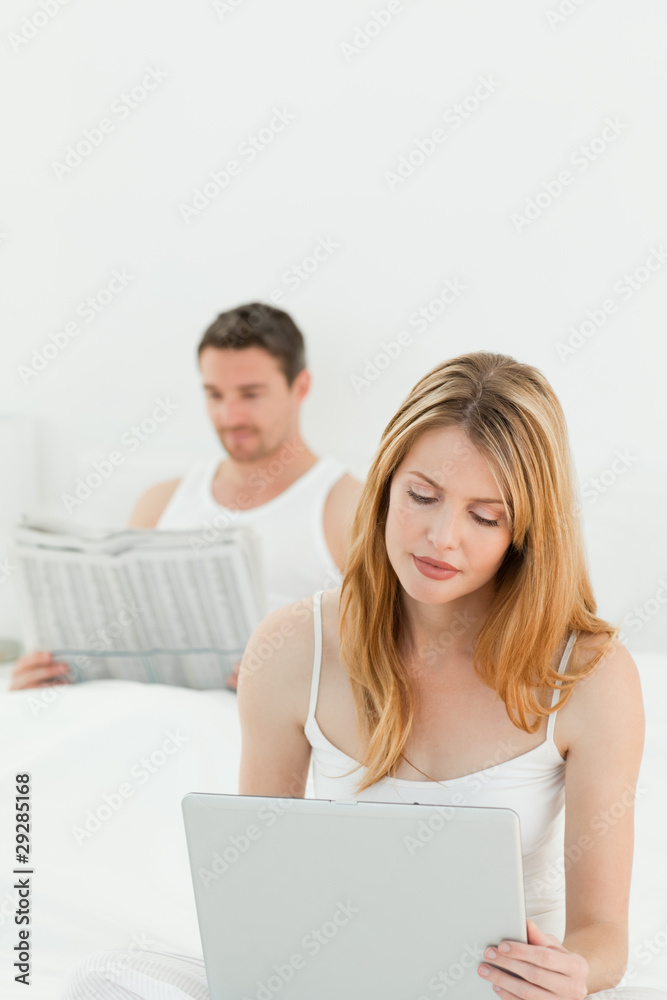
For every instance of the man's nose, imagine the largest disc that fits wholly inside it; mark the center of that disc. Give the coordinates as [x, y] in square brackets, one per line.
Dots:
[230, 413]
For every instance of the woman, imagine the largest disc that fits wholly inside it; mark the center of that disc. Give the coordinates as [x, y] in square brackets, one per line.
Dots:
[465, 620]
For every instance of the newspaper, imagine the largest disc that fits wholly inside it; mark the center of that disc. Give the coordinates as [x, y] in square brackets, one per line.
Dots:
[140, 604]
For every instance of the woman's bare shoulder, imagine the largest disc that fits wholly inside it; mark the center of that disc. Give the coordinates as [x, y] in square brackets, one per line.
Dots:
[591, 646]
[277, 663]
[611, 693]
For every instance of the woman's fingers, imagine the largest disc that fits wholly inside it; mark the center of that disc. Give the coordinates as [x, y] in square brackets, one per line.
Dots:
[535, 975]
[546, 968]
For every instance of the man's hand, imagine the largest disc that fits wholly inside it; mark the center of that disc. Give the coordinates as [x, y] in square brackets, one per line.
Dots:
[547, 970]
[37, 670]
[232, 679]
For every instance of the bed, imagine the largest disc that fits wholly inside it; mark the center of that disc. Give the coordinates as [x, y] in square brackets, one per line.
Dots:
[110, 762]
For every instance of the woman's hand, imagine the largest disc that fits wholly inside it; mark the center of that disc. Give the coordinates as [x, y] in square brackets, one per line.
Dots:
[35, 670]
[549, 970]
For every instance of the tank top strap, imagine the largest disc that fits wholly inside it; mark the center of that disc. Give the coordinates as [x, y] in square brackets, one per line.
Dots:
[317, 654]
[556, 694]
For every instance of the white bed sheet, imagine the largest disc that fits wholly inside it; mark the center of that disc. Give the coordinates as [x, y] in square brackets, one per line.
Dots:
[127, 884]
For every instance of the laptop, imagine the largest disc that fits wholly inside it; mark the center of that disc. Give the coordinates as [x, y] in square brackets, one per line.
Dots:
[316, 899]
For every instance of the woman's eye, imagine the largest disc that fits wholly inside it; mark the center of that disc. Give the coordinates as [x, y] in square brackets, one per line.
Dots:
[420, 499]
[483, 520]
[480, 520]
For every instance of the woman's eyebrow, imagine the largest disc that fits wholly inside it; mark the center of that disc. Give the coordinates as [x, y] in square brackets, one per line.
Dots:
[414, 472]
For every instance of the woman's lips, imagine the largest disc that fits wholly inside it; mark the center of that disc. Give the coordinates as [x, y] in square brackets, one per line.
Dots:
[433, 572]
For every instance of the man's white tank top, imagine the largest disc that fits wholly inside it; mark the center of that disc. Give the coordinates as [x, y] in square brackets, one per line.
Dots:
[533, 784]
[296, 557]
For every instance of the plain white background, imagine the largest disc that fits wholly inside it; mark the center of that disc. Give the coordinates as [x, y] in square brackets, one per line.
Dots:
[360, 95]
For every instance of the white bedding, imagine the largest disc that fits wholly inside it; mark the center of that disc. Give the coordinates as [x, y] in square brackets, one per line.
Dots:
[127, 884]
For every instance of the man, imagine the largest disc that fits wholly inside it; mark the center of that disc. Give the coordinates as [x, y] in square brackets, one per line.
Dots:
[253, 365]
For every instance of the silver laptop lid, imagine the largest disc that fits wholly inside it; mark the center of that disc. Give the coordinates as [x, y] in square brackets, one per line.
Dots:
[311, 899]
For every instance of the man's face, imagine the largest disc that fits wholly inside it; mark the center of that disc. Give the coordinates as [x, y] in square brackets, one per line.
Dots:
[250, 405]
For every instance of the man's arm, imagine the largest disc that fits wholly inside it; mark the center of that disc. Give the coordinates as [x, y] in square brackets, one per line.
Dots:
[150, 506]
[339, 511]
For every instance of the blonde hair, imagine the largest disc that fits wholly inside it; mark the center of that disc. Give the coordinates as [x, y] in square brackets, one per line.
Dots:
[543, 591]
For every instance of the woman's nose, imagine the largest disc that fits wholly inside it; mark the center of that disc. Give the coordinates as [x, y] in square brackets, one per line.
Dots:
[445, 532]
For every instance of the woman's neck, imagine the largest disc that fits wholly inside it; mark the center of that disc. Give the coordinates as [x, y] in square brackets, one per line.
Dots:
[439, 633]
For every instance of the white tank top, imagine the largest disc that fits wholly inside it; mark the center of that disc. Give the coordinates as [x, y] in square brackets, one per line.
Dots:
[532, 784]
[296, 557]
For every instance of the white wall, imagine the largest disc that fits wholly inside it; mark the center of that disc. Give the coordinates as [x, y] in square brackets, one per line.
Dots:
[227, 67]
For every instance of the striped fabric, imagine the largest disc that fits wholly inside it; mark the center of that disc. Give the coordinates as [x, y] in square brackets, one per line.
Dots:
[155, 975]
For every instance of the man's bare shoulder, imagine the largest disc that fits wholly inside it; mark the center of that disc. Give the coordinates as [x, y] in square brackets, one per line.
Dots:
[151, 505]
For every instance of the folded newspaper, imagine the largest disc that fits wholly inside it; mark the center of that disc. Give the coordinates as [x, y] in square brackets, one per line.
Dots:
[140, 604]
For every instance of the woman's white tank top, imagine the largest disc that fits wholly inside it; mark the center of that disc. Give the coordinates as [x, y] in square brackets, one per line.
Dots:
[533, 784]
[290, 527]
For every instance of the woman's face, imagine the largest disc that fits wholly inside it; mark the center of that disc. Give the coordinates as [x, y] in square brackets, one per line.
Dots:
[444, 506]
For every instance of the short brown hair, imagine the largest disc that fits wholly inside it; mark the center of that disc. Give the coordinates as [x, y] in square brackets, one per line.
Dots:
[259, 325]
